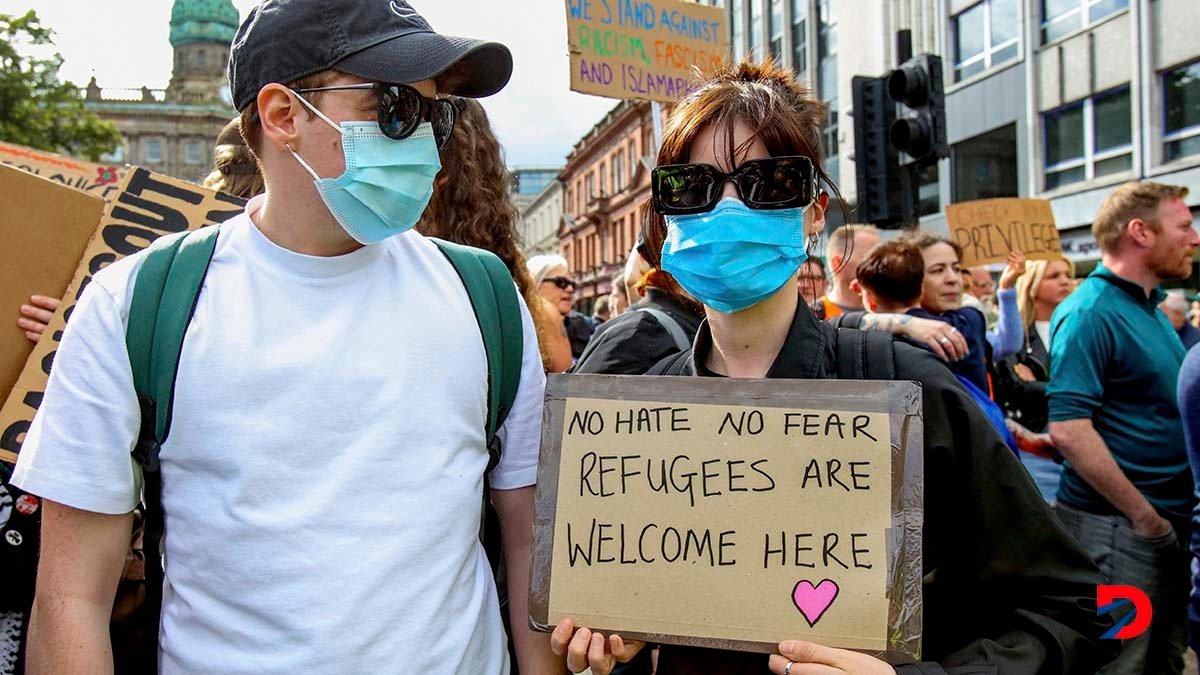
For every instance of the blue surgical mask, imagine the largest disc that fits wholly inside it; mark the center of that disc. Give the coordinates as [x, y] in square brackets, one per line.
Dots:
[734, 257]
[387, 183]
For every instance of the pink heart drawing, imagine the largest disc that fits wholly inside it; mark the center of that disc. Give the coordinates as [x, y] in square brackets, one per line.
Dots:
[814, 601]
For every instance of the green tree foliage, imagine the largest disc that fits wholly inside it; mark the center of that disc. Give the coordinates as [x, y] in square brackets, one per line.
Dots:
[36, 108]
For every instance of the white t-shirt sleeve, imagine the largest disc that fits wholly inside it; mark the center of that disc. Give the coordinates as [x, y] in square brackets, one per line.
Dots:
[77, 450]
[521, 434]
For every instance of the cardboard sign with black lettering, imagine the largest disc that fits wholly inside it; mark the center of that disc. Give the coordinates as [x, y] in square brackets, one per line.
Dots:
[732, 513]
[989, 229]
[147, 206]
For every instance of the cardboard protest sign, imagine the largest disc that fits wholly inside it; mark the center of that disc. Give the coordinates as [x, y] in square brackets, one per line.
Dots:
[643, 50]
[989, 229]
[101, 179]
[45, 227]
[732, 513]
[147, 206]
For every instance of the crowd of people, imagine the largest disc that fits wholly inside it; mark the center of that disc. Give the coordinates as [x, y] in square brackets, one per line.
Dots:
[323, 477]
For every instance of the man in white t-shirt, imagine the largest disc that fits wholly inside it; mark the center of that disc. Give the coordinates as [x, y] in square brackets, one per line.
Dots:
[323, 476]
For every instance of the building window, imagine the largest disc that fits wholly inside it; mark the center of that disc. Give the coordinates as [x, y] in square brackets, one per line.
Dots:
[152, 151]
[1089, 139]
[827, 79]
[116, 156]
[602, 179]
[201, 58]
[756, 30]
[1060, 17]
[739, 30]
[618, 166]
[632, 161]
[1181, 110]
[590, 188]
[800, 38]
[985, 35]
[193, 153]
[985, 166]
[776, 27]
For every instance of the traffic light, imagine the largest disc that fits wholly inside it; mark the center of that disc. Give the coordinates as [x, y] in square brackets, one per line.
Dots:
[876, 162]
[920, 130]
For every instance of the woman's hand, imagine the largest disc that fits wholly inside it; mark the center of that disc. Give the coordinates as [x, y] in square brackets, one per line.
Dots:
[1015, 268]
[1023, 373]
[942, 338]
[585, 649]
[806, 658]
[36, 315]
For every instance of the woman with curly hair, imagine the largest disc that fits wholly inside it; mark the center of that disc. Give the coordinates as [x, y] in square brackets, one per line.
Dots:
[471, 206]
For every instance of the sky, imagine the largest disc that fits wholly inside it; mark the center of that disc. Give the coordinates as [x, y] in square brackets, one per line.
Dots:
[537, 118]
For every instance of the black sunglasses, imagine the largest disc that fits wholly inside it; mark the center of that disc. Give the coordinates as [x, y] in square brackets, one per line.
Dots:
[561, 282]
[771, 183]
[402, 109]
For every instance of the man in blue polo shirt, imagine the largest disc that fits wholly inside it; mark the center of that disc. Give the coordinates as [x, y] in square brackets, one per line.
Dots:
[1126, 491]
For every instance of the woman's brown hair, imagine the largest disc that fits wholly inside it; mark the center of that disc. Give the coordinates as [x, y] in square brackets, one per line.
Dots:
[782, 114]
[471, 204]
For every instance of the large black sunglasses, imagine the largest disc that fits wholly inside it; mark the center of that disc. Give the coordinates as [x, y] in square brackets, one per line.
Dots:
[402, 109]
[561, 282]
[771, 183]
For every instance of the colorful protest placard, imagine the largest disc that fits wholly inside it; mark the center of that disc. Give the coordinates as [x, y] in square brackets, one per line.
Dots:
[45, 227]
[643, 50]
[989, 229]
[101, 179]
[146, 206]
[732, 513]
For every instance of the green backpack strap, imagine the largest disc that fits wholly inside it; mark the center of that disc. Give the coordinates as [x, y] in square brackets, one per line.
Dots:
[498, 311]
[164, 299]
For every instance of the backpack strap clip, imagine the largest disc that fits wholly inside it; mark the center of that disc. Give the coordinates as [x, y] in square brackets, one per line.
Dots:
[145, 451]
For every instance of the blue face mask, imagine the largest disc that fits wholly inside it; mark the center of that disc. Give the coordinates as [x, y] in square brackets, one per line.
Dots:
[387, 183]
[734, 257]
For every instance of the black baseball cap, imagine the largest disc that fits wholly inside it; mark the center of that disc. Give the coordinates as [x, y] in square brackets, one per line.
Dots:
[379, 40]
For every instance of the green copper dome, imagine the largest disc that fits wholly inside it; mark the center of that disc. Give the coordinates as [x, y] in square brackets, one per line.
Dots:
[203, 21]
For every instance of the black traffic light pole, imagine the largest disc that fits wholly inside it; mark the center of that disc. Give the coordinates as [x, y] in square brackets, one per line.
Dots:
[901, 112]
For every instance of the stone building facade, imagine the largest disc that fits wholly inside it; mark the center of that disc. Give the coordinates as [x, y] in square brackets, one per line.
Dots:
[173, 130]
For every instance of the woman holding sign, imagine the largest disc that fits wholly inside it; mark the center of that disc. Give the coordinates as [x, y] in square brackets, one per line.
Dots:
[735, 196]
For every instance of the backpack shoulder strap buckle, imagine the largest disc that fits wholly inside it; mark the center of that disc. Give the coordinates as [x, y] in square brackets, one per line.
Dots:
[145, 451]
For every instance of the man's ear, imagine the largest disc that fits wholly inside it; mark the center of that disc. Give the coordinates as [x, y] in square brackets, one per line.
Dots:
[835, 264]
[856, 287]
[278, 112]
[1141, 233]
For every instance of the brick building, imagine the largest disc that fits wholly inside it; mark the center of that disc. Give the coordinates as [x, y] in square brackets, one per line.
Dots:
[606, 179]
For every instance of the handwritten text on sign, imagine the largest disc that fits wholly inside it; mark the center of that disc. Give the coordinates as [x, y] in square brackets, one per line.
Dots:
[100, 179]
[642, 50]
[729, 522]
[989, 229]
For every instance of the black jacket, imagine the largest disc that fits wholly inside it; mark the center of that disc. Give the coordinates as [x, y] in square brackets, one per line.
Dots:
[579, 330]
[1006, 590]
[636, 340]
[1023, 401]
